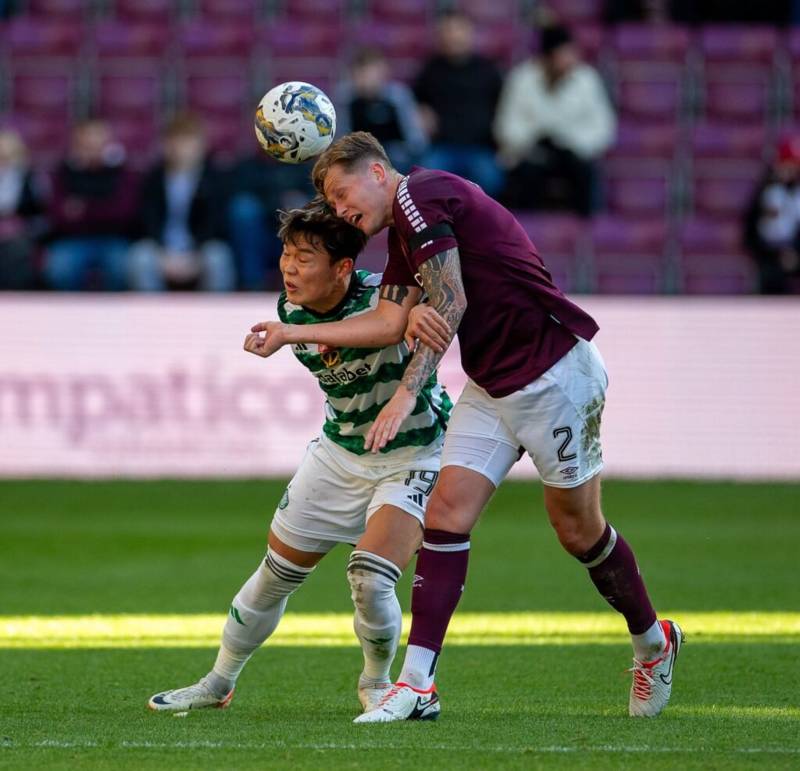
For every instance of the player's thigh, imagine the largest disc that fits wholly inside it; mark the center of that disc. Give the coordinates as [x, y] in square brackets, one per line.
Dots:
[393, 534]
[303, 559]
[323, 505]
[557, 417]
[478, 439]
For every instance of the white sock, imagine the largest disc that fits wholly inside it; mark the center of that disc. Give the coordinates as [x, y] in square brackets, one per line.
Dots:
[650, 644]
[419, 667]
[253, 617]
[378, 619]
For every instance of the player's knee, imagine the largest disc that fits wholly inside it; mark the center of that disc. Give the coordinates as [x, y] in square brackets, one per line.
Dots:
[275, 579]
[576, 533]
[372, 581]
[446, 511]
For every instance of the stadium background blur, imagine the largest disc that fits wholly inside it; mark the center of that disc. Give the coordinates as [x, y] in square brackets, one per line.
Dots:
[703, 93]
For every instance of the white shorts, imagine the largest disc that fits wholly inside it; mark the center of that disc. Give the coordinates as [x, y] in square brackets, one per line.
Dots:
[556, 419]
[334, 493]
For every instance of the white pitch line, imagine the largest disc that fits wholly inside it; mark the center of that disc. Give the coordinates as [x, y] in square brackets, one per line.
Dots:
[553, 749]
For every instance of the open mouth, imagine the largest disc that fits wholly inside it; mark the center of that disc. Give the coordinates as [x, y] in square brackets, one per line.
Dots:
[355, 219]
[290, 287]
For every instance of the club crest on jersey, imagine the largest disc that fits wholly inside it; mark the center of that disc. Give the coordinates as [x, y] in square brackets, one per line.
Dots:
[330, 356]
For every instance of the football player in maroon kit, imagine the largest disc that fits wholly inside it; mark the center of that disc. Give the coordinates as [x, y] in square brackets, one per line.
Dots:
[536, 384]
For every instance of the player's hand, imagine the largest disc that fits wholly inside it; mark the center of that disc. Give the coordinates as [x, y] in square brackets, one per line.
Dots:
[265, 345]
[427, 326]
[390, 418]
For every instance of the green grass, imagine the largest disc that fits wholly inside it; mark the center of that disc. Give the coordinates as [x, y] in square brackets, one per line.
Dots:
[534, 676]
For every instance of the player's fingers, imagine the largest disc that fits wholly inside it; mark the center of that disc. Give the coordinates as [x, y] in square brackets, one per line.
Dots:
[262, 326]
[411, 342]
[432, 340]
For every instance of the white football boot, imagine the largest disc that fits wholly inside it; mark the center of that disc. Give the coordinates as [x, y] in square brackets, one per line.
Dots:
[402, 702]
[652, 680]
[370, 695]
[197, 696]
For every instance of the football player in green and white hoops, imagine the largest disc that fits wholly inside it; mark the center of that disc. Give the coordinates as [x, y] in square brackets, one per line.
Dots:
[342, 493]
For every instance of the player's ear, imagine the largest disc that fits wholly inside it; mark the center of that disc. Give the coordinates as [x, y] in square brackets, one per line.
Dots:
[345, 266]
[379, 171]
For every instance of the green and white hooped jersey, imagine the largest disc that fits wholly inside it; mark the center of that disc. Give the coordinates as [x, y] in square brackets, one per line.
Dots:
[358, 381]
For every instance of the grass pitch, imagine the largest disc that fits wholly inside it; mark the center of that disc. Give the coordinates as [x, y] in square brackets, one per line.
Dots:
[112, 591]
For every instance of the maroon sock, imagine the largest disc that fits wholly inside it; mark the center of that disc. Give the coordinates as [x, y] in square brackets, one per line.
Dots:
[438, 583]
[613, 570]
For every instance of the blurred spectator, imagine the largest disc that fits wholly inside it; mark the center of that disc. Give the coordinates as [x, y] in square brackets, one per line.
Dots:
[772, 222]
[20, 215]
[457, 90]
[553, 121]
[371, 101]
[182, 218]
[92, 211]
[259, 187]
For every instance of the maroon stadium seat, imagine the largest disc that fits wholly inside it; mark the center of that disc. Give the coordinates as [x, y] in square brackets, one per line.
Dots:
[138, 135]
[222, 92]
[286, 38]
[712, 260]
[591, 39]
[645, 139]
[44, 93]
[403, 40]
[46, 139]
[494, 11]
[153, 11]
[739, 44]
[722, 189]
[213, 38]
[576, 12]
[407, 12]
[650, 43]
[321, 72]
[638, 186]
[557, 238]
[728, 141]
[113, 39]
[650, 91]
[737, 93]
[71, 10]
[228, 10]
[502, 42]
[33, 37]
[318, 11]
[628, 255]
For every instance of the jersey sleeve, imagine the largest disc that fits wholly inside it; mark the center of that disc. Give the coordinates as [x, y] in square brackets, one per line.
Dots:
[425, 219]
[397, 271]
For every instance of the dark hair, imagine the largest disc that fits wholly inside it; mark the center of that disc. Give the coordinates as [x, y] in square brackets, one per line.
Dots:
[184, 124]
[349, 151]
[321, 227]
[553, 37]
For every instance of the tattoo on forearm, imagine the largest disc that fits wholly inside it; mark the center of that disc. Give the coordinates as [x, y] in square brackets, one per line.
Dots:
[441, 278]
[394, 293]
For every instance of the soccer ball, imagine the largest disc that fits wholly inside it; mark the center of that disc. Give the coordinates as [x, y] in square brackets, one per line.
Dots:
[295, 121]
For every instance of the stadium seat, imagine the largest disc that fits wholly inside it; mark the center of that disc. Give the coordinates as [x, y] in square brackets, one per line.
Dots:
[739, 44]
[71, 10]
[722, 188]
[557, 238]
[650, 43]
[138, 135]
[728, 141]
[113, 39]
[128, 95]
[638, 186]
[229, 136]
[404, 40]
[321, 71]
[228, 10]
[318, 11]
[407, 12]
[645, 139]
[504, 43]
[591, 39]
[628, 255]
[286, 38]
[712, 260]
[153, 11]
[497, 11]
[650, 91]
[213, 38]
[31, 37]
[221, 92]
[737, 93]
[576, 12]
[47, 93]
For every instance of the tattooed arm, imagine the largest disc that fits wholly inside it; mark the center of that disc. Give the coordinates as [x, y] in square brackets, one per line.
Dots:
[374, 329]
[441, 278]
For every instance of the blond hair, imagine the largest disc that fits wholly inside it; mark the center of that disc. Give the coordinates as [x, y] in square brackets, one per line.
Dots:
[349, 151]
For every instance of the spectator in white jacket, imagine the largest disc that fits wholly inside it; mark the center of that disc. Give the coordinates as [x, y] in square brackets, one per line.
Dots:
[553, 121]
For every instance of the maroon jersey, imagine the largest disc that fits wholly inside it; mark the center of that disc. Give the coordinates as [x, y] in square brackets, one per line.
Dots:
[517, 323]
